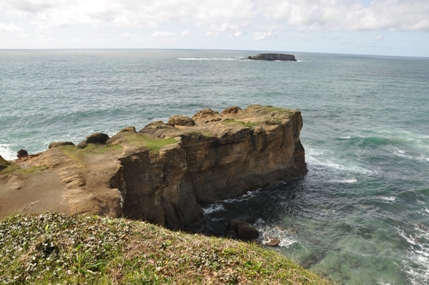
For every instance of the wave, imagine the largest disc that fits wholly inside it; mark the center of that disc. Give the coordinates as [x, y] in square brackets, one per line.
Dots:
[213, 208]
[418, 254]
[6, 152]
[352, 180]
[269, 232]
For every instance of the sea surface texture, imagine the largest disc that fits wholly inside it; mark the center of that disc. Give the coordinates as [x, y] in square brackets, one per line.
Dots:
[360, 215]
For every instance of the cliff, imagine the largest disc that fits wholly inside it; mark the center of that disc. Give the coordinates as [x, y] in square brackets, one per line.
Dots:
[273, 56]
[162, 172]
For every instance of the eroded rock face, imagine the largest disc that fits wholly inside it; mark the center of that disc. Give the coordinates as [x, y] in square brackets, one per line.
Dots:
[273, 56]
[163, 172]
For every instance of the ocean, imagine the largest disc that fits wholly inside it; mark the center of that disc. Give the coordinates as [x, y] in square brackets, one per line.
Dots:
[360, 215]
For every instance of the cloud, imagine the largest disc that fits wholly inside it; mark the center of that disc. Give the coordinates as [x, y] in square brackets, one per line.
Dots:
[262, 35]
[11, 29]
[185, 33]
[348, 15]
[163, 34]
[231, 17]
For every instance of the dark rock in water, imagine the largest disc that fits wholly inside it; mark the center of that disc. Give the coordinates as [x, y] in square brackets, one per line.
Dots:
[22, 153]
[58, 144]
[242, 229]
[273, 56]
[181, 121]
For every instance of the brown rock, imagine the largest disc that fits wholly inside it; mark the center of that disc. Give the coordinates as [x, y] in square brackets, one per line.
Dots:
[242, 229]
[180, 121]
[272, 242]
[58, 144]
[231, 110]
[156, 178]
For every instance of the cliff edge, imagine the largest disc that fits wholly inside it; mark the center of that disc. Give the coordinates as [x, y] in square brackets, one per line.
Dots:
[164, 171]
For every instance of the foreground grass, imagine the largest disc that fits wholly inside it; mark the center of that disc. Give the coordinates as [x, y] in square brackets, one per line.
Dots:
[58, 249]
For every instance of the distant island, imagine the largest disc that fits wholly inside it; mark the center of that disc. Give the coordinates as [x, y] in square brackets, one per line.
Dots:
[273, 56]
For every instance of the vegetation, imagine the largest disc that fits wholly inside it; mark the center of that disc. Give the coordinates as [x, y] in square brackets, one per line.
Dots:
[79, 153]
[18, 170]
[250, 125]
[58, 249]
[152, 143]
[288, 112]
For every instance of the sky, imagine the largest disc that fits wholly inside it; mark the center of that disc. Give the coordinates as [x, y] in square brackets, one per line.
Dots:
[378, 27]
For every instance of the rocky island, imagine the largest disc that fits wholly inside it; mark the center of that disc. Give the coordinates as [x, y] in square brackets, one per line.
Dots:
[162, 172]
[273, 56]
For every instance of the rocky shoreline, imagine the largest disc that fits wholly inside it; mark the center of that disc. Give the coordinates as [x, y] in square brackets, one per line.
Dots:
[164, 171]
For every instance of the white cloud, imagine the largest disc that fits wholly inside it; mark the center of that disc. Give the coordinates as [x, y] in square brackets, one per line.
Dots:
[132, 37]
[262, 35]
[349, 15]
[162, 34]
[185, 33]
[10, 29]
[234, 18]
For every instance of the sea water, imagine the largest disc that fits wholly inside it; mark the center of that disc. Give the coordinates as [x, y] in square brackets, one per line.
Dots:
[360, 215]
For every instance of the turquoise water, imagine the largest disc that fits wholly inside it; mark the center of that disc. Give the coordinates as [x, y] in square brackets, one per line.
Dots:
[360, 215]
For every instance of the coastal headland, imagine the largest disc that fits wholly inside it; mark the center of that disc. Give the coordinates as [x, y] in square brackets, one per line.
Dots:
[162, 172]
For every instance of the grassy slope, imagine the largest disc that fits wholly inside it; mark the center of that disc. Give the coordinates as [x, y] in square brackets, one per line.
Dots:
[57, 249]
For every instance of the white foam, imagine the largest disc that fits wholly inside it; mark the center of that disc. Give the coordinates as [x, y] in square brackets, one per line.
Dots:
[208, 58]
[6, 152]
[353, 180]
[388, 198]
[213, 208]
[269, 232]
[418, 254]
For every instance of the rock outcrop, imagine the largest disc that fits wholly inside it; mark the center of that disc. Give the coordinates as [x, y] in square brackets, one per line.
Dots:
[240, 229]
[163, 172]
[273, 56]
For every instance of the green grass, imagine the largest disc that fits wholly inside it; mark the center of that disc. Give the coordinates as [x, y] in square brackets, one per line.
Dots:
[152, 143]
[58, 249]
[79, 153]
[18, 170]
[288, 112]
[250, 125]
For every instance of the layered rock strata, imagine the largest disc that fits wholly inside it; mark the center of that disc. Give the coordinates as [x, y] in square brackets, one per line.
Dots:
[163, 172]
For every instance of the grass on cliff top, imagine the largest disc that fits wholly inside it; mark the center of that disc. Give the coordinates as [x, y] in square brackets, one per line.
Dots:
[18, 170]
[58, 249]
[79, 153]
[250, 125]
[288, 112]
[153, 144]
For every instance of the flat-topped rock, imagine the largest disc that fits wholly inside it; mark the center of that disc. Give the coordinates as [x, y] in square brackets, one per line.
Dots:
[273, 56]
[164, 171]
